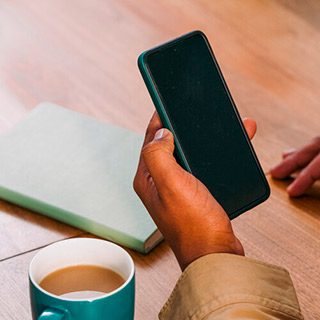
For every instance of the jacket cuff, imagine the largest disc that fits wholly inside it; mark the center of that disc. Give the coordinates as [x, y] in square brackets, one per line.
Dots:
[219, 280]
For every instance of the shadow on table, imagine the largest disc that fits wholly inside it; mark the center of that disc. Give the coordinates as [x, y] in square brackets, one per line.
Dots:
[158, 255]
[17, 213]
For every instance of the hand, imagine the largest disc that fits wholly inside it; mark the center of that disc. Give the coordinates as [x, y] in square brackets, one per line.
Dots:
[306, 159]
[190, 219]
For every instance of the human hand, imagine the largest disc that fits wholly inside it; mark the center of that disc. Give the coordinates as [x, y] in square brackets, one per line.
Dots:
[188, 216]
[306, 159]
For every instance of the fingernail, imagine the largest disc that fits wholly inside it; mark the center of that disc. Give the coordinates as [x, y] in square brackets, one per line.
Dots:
[289, 151]
[159, 134]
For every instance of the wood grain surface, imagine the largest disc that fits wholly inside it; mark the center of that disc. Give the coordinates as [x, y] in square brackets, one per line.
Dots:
[82, 54]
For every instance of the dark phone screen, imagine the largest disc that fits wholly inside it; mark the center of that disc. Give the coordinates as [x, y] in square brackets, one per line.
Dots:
[205, 123]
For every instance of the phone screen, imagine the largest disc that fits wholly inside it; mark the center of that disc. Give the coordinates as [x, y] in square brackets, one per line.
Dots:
[205, 122]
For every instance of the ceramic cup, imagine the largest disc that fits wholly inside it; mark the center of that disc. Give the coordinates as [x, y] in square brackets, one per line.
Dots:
[116, 305]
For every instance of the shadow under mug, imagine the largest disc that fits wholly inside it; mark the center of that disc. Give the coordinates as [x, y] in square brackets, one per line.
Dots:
[116, 305]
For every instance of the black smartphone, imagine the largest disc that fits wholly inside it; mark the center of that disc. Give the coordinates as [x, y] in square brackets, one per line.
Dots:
[193, 101]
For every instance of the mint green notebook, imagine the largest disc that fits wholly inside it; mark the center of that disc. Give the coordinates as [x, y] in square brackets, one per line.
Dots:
[78, 170]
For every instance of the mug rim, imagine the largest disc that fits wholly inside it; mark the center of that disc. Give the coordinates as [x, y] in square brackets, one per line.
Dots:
[132, 272]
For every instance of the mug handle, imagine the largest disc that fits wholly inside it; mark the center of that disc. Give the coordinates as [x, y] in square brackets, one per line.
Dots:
[53, 314]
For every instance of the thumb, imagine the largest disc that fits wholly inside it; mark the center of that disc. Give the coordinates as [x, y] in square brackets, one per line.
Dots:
[159, 160]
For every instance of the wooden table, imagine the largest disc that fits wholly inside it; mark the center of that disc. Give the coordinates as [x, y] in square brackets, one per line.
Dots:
[82, 54]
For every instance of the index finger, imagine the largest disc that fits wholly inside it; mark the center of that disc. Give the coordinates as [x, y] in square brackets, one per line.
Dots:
[296, 160]
[306, 178]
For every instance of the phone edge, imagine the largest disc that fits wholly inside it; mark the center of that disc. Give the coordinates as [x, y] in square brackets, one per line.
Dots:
[160, 108]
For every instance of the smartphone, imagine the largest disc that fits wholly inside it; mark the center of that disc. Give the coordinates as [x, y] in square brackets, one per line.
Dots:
[194, 103]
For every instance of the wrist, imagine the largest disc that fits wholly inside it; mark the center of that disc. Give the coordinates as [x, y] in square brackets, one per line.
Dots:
[189, 253]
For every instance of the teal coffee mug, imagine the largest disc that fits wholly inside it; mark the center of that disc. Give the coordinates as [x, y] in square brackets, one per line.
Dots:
[115, 305]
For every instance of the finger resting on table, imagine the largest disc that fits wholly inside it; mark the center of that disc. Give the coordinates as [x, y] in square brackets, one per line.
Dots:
[307, 177]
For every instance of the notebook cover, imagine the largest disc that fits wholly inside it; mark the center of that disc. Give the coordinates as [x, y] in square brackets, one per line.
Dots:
[77, 170]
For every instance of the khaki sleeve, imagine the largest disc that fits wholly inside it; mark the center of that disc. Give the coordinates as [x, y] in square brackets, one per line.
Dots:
[225, 286]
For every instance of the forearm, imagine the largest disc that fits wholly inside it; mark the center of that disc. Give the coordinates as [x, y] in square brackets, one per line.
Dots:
[226, 286]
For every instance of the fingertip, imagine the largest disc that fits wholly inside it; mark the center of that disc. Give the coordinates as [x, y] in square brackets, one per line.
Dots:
[251, 127]
[299, 186]
[275, 172]
[284, 169]
[288, 152]
[292, 192]
[160, 144]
